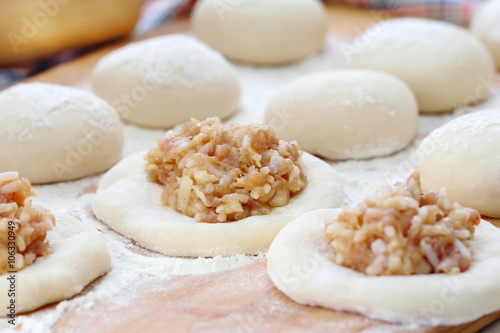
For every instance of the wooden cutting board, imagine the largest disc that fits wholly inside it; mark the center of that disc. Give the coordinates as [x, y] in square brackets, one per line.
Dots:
[240, 300]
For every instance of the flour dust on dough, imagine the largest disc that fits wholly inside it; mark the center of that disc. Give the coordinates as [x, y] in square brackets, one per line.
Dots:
[486, 26]
[52, 133]
[79, 256]
[345, 114]
[261, 32]
[164, 81]
[463, 155]
[299, 266]
[445, 65]
[130, 204]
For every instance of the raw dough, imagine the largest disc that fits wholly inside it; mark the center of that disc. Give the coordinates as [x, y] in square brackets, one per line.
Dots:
[166, 80]
[52, 133]
[464, 156]
[261, 31]
[486, 26]
[79, 256]
[298, 265]
[444, 65]
[131, 205]
[345, 114]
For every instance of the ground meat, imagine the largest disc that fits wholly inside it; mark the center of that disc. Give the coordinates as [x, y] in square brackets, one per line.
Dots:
[218, 173]
[29, 223]
[403, 231]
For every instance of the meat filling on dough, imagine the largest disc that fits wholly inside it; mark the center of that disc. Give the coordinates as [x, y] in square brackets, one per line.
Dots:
[23, 226]
[216, 173]
[401, 230]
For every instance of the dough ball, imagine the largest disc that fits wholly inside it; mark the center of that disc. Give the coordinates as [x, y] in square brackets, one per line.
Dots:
[52, 133]
[464, 156]
[444, 65]
[345, 114]
[264, 32]
[486, 26]
[164, 81]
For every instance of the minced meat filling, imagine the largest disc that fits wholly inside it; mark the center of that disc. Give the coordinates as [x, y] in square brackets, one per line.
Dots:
[218, 173]
[23, 226]
[403, 231]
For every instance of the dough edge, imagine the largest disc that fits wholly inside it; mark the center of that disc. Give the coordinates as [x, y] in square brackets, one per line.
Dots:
[125, 200]
[400, 299]
[76, 261]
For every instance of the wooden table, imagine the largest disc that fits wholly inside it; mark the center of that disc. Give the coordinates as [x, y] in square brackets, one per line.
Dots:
[194, 303]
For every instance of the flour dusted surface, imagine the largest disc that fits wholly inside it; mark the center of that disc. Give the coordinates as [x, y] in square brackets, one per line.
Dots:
[131, 263]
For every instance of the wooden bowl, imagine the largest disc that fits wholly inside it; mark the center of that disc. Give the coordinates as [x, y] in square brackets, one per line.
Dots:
[35, 28]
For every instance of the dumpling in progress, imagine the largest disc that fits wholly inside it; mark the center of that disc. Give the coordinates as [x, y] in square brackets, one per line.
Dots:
[213, 189]
[403, 256]
[44, 272]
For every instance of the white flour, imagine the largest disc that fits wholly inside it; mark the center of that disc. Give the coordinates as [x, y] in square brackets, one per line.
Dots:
[38, 106]
[131, 263]
[169, 61]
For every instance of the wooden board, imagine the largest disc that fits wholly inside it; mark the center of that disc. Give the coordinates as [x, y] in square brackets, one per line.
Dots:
[240, 300]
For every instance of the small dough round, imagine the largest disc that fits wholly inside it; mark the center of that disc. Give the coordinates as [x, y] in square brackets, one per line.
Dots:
[130, 204]
[444, 65]
[464, 156]
[166, 80]
[345, 114]
[75, 261]
[261, 32]
[299, 266]
[486, 26]
[51, 133]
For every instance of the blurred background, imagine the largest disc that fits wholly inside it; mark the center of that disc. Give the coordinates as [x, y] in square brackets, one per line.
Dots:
[38, 34]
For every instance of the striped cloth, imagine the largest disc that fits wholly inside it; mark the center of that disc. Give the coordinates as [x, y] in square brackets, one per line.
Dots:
[157, 12]
[454, 11]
